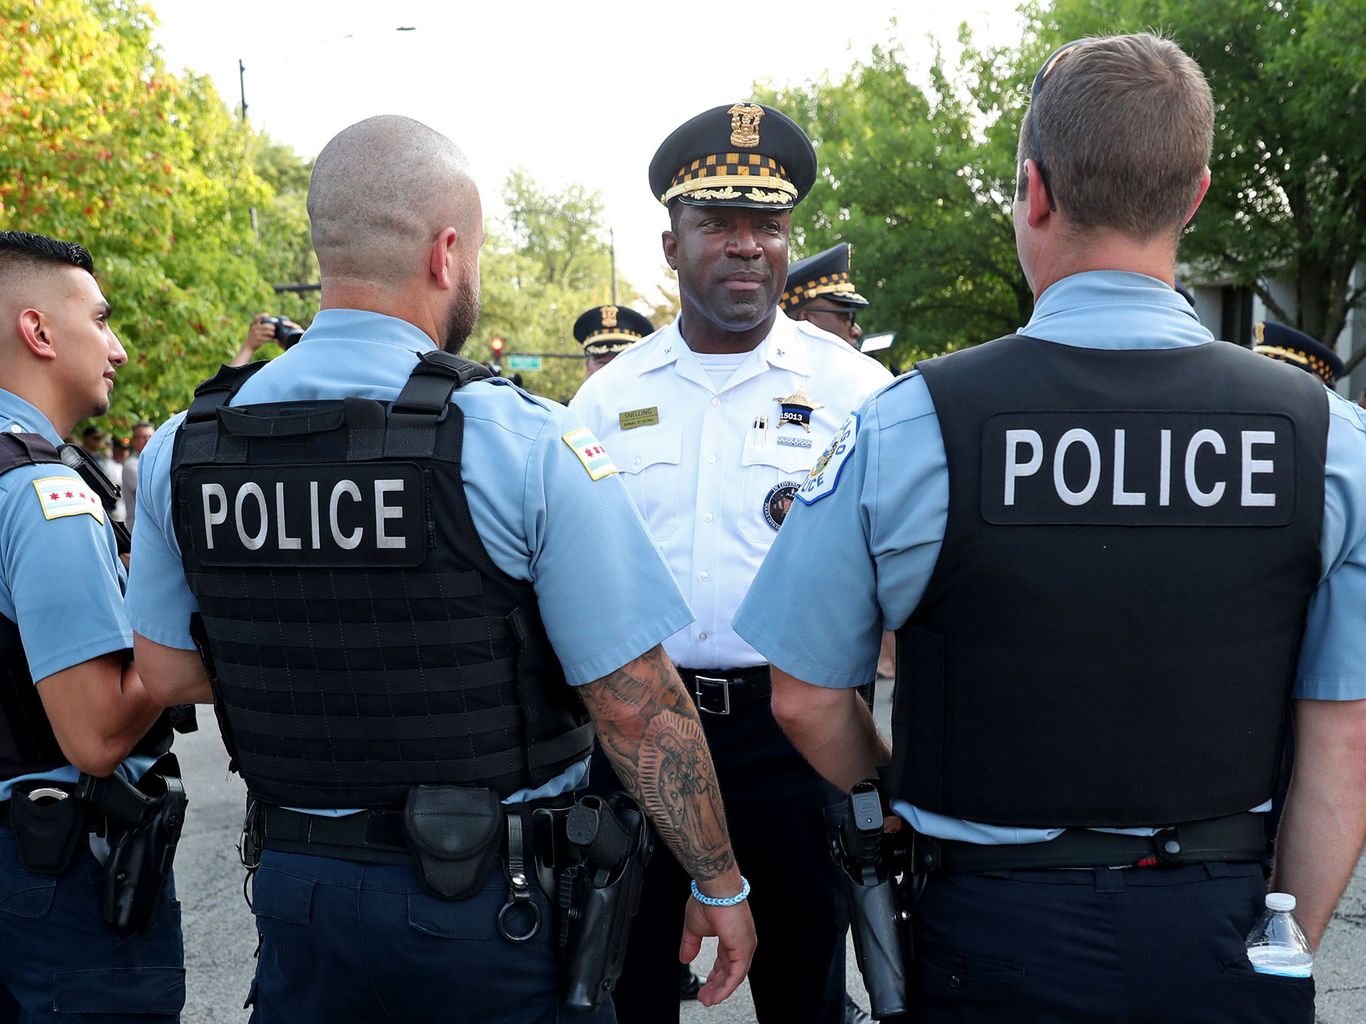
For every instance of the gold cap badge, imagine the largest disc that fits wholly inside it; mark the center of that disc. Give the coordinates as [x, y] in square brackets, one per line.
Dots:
[609, 316]
[744, 125]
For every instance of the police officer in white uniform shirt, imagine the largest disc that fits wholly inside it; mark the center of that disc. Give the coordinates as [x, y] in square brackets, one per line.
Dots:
[714, 421]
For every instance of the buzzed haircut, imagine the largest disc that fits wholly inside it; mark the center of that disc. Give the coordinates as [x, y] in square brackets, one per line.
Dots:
[381, 190]
[1122, 127]
[24, 250]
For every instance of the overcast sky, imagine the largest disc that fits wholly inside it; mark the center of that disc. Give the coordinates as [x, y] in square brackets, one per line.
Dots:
[572, 92]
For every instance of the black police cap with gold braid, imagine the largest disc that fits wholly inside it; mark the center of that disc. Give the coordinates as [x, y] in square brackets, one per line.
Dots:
[1291, 346]
[740, 154]
[822, 276]
[606, 330]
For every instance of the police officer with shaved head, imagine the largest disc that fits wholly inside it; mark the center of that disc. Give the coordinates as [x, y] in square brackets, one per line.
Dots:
[370, 556]
[1115, 552]
[718, 416]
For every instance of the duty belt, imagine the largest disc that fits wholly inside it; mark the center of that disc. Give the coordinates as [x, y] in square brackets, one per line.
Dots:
[367, 836]
[1237, 837]
[725, 691]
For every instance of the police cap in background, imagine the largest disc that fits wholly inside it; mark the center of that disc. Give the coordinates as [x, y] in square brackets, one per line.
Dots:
[822, 276]
[607, 330]
[1291, 346]
[740, 154]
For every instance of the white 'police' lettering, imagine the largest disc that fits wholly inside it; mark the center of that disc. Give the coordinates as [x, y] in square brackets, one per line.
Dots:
[1138, 468]
[1095, 463]
[252, 521]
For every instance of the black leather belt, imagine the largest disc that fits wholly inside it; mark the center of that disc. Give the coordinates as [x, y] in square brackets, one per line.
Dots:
[720, 691]
[369, 836]
[1237, 837]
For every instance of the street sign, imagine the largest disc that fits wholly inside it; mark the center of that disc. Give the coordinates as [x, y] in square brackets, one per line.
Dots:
[523, 362]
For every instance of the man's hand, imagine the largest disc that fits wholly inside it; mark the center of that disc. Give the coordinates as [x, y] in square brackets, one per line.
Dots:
[735, 942]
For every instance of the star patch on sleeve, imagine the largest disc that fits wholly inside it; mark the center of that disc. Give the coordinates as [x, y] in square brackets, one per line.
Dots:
[590, 452]
[825, 474]
[61, 496]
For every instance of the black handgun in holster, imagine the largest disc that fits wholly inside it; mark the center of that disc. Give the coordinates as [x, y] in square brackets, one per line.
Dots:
[869, 862]
[606, 845]
[143, 824]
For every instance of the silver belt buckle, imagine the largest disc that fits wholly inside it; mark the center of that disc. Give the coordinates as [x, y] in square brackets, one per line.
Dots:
[702, 702]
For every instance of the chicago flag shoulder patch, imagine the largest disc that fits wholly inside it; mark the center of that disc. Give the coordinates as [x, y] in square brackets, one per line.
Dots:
[62, 496]
[591, 453]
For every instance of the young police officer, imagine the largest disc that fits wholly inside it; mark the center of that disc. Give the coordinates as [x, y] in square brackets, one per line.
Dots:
[382, 554]
[70, 698]
[718, 418]
[1112, 550]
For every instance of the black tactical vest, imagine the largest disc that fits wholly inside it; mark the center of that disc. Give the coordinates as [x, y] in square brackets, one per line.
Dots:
[360, 639]
[1110, 633]
[27, 744]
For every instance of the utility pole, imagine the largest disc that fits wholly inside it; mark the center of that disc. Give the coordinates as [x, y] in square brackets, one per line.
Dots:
[612, 251]
[242, 86]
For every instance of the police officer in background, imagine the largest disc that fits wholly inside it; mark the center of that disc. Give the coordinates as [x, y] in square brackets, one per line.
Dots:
[1112, 551]
[71, 700]
[717, 418]
[1277, 341]
[388, 594]
[820, 291]
[607, 331]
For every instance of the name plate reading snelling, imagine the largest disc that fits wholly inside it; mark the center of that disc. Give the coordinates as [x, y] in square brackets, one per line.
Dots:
[1138, 469]
[358, 514]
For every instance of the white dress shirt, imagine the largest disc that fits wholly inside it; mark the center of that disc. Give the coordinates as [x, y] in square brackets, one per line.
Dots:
[708, 465]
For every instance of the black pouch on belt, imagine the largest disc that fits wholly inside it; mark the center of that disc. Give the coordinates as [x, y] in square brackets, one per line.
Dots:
[453, 833]
[48, 822]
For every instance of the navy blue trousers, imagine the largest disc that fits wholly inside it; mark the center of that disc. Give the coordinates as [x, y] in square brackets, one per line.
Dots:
[1133, 946]
[349, 943]
[59, 961]
[776, 806]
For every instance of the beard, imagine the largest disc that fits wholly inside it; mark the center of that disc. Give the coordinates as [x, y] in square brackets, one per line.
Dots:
[463, 316]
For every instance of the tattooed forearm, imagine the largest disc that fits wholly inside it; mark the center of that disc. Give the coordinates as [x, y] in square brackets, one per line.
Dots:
[649, 729]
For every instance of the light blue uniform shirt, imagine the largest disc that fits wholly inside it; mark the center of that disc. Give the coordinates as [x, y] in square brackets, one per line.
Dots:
[865, 547]
[604, 592]
[60, 578]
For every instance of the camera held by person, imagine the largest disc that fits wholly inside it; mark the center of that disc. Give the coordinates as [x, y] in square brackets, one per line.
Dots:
[264, 327]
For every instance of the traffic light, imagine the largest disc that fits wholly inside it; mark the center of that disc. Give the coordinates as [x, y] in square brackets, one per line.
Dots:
[496, 347]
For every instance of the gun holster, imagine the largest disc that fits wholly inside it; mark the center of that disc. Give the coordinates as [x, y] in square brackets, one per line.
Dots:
[868, 862]
[606, 844]
[453, 833]
[143, 824]
[48, 823]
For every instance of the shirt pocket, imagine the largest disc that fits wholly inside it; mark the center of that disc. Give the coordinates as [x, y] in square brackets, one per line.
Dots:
[648, 461]
[771, 476]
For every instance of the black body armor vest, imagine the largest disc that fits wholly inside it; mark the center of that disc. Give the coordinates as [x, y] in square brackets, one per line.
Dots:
[27, 744]
[359, 637]
[1111, 630]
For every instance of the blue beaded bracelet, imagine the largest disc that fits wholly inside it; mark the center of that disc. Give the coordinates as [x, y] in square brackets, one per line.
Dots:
[727, 901]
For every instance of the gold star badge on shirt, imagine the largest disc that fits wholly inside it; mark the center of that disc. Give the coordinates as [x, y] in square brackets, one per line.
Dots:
[797, 409]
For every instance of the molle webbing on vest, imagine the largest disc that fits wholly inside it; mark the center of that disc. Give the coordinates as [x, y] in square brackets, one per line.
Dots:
[362, 640]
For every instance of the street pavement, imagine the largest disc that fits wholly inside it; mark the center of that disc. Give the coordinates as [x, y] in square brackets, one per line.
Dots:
[220, 940]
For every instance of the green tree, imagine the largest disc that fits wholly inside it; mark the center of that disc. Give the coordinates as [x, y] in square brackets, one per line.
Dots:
[150, 171]
[1288, 195]
[544, 265]
[922, 190]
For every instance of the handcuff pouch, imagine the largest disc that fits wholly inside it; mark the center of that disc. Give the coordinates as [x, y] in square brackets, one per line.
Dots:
[47, 828]
[453, 833]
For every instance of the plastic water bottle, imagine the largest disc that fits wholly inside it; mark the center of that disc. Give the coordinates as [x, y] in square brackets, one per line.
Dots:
[1277, 944]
